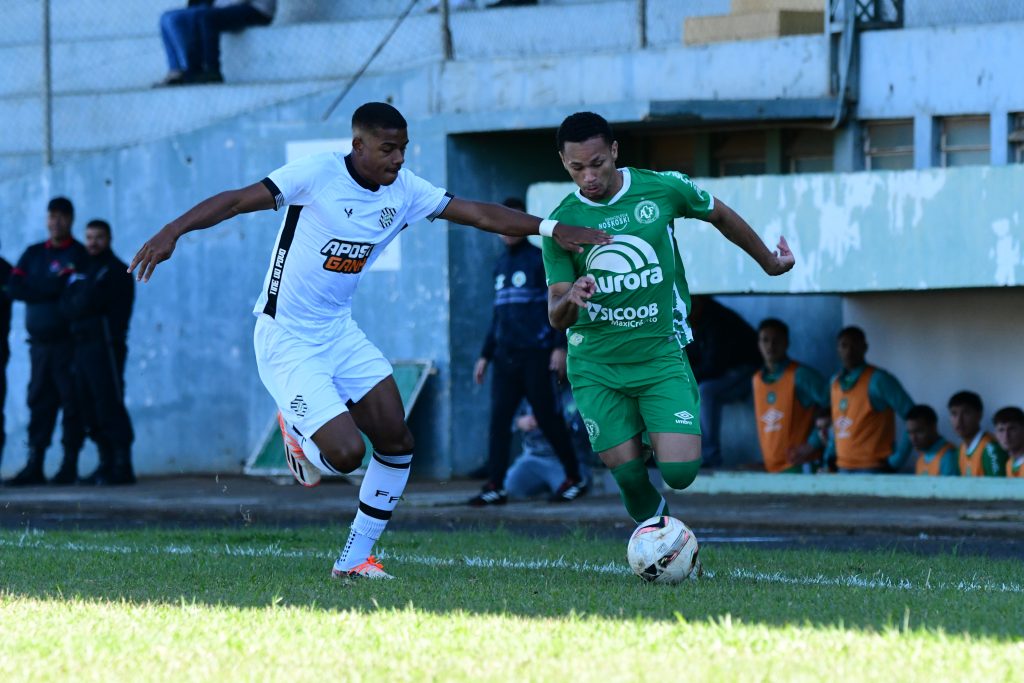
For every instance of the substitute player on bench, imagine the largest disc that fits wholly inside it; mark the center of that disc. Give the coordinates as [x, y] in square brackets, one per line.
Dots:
[328, 381]
[625, 307]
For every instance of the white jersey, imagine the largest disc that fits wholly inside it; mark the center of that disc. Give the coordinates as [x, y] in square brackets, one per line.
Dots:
[334, 229]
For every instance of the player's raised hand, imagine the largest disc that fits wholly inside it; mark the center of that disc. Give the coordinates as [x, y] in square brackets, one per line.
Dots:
[784, 259]
[581, 291]
[573, 237]
[157, 249]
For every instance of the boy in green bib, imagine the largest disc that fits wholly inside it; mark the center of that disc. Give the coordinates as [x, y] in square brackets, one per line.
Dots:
[625, 306]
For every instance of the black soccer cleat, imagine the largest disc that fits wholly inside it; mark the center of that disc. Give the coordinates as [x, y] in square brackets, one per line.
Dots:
[490, 495]
[569, 491]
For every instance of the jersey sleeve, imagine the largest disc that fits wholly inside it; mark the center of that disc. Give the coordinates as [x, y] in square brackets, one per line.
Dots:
[688, 200]
[811, 389]
[994, 459]
[425, 199]
[300, 181]
[885, 391]
[558, 265]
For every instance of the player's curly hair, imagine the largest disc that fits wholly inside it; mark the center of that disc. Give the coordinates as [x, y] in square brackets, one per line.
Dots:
[378, 115]
[582, 126]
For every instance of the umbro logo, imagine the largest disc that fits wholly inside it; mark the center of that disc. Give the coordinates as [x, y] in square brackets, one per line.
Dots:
[387, 215]
[348, 213]
[772, 420]
[684, 417]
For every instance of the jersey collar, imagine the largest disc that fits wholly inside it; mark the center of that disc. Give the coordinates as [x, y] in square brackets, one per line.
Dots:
[360, 180]
[626, 179]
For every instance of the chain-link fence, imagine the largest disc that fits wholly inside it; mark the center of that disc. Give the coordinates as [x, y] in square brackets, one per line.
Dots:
[79, 75]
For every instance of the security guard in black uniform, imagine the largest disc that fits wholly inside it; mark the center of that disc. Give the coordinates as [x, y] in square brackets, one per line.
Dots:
[38, 280]
[523, 350]
[98, 302]
[5, 349]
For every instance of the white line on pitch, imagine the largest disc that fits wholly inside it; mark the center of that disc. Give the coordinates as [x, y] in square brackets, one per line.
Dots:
[849, 581]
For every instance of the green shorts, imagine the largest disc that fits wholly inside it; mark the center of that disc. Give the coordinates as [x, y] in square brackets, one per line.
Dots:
[619, 400]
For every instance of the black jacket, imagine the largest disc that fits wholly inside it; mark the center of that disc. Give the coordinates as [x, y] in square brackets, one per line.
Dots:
[99, 301]
[5, 311]
[38, 280]
[520, 318]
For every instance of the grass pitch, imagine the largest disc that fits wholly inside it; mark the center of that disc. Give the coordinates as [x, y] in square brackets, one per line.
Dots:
[258, 604]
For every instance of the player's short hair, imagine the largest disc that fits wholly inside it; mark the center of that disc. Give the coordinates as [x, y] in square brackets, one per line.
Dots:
[378, 115]
[515, 203]
[923, 412]
[100, 224]
[1011, 414]
[966, 398]
[582, 126]
[61, 205]
[853, 332]
[774, 324]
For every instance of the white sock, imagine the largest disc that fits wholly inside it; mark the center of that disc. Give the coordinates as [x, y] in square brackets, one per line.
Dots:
[379, 493]
[311, 451]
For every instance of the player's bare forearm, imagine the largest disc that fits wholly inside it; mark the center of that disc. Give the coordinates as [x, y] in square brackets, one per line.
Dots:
[739, 232]
[565, 300]
[505, 221]
[205, 214]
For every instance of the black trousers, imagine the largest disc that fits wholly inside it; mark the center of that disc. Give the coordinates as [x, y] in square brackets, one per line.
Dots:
[516, 375]
[99, 381]
[51, 388]
[4, 357]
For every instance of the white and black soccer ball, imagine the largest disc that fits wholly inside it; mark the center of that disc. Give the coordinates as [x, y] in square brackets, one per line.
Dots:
[662, 550]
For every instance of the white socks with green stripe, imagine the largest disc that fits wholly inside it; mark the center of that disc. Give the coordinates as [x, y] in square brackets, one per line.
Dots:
[379, 493]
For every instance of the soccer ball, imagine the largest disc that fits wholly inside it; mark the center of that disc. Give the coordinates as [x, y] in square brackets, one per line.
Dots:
[662, 550]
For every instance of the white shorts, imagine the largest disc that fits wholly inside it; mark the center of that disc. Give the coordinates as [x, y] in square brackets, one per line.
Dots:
[311, 383]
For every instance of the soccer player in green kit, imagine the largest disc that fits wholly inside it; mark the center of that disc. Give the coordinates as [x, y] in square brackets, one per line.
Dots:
[624, 306]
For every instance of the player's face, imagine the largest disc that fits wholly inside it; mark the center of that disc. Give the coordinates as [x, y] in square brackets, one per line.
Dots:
[851, 352]
[58, 225]
[379, 153]
[966, 421]
[591, 164]
[773, 345]
[1010, 436]
[921, 433]
[97, 241]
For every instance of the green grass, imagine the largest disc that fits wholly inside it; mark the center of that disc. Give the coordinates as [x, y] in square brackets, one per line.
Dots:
[257, 604]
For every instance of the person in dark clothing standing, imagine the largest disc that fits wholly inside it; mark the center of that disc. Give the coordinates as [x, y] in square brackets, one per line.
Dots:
[98, 302]
[723, 356]
[524, 351]
[39, 279]
[5, 349]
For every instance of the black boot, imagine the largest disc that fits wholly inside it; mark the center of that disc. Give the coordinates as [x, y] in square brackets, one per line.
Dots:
[120, 472]
[32, 474]
[101, 474]
[68, 472]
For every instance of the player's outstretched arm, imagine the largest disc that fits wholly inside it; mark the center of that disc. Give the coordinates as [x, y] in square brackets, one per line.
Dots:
[739, 232]
[205, 214]
[566, 298]
[506, 221]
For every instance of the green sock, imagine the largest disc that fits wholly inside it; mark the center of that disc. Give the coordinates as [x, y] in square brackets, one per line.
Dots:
[679, 475]
[641, 499]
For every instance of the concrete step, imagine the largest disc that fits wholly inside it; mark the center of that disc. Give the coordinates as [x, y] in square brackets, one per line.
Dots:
[753, 26]
[750, 6]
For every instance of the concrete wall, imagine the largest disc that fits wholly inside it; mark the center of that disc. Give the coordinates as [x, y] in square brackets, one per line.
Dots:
[938, 343]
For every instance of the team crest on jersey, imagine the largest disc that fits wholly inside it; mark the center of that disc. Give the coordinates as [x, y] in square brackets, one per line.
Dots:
[346, 257]
[647, 212]
[387, 215]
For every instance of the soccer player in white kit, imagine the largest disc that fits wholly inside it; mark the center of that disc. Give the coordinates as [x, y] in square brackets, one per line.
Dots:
[328, 381]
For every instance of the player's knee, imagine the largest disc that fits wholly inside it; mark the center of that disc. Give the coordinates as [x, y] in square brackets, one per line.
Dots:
[679, 475]
[345, 456]
[400, 441]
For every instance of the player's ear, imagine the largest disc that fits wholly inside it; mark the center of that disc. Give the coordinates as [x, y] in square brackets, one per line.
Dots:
[561, 156]
[615, 150]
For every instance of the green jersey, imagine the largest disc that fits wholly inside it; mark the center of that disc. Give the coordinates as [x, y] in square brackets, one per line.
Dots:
[642, 299]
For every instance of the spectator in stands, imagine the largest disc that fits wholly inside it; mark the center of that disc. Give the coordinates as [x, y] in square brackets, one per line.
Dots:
[866, 400]
[38, 280]
[98, 302]
[1009, 425]
[5, 349]
[723, 355]
[192, 36]
[935, 455]
[537, 470]
[980, 454]
[524, 350]
[786, 396]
